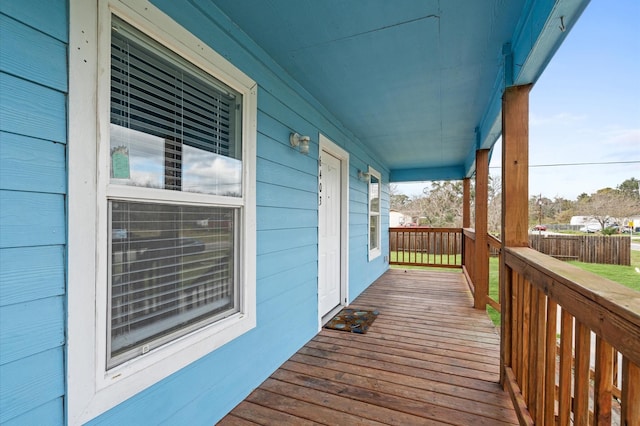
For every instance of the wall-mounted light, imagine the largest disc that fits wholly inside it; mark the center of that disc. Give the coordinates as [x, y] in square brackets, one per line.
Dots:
[364, 176]
[300, 141]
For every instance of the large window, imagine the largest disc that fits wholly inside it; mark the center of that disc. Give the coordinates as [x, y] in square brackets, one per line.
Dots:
[374, 214]
[173, 128]
[162, 139]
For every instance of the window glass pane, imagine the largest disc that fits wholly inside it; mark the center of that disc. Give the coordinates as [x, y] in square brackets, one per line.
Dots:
[173, 126]
[141, 159]
[373, 232]
[172, 270]
[374, 195]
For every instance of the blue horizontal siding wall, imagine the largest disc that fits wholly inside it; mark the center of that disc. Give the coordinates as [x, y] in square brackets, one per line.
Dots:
[33, 135]
[33, 84]
[287, 245]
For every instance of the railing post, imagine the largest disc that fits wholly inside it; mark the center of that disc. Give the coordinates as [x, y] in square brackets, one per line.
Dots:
[466, 215]
[466, 203]
[481, 275]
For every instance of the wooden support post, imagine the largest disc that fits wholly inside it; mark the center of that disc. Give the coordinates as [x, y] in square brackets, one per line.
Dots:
[466, 202]
[481, 275]
[515, 197]
[515, 166]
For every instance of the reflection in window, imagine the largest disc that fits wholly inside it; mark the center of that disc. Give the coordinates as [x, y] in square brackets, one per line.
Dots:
[374, 214]
[140, 159]
[374, 211]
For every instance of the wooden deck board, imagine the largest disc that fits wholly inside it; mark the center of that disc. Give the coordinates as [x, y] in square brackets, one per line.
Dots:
[429, 358]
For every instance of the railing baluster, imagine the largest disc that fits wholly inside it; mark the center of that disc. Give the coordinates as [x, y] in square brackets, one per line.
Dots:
[550, 363]
[581, 393]
[538, 353]
[516, 312]
[519, 331]
[630, 393]
[603, 382]
[615, 379]
[526, 338]
[566, 361]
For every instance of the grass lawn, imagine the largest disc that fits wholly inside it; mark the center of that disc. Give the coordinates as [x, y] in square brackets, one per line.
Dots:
[625, 275]
[494, 276]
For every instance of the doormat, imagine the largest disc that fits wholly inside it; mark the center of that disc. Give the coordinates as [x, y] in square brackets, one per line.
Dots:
[353, 320]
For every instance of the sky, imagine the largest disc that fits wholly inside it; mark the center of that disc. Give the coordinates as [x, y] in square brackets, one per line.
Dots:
[584, 111]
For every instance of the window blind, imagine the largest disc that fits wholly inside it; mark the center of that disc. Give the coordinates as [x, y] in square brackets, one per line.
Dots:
[159, 93]
[171, 268]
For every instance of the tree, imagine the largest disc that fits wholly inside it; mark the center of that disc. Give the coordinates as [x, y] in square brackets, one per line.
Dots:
[630, 188]
[494, 205]
[440, 206]
[398, 201]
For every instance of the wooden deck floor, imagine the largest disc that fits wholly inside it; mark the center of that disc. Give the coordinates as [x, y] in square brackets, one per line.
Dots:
[429, 358]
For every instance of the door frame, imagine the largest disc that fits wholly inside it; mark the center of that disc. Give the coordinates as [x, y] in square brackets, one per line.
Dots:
[332, 148]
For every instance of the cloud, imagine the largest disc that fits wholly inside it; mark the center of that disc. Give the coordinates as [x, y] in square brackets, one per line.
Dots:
[561, 118]
[622, 143]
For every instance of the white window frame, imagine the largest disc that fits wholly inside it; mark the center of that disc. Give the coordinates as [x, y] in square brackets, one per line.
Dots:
[374, 252]
[92, 389]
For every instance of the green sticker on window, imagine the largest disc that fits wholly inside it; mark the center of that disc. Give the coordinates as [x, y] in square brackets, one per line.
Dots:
[120, 163]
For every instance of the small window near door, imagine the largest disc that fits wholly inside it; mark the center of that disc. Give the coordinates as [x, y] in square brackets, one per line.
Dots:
[374, 213]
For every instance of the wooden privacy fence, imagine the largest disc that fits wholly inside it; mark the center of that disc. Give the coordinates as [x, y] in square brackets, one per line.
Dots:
[426, 247]
[584, 248]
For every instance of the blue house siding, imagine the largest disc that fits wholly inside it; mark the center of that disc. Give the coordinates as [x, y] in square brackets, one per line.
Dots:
[33, 182]
[33, 84]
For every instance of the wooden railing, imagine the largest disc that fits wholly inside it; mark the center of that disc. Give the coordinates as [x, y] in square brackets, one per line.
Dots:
[422, 246]
[570, 339]
[468, 266]
[551, 304]
[495, 249]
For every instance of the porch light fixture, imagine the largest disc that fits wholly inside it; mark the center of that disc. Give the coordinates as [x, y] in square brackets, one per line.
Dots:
[300, 141]
[364, 176]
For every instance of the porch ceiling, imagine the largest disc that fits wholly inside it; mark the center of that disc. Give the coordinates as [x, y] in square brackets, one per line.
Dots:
[419, 82]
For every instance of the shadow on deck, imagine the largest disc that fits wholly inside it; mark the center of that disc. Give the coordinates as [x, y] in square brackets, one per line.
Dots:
[429, 358]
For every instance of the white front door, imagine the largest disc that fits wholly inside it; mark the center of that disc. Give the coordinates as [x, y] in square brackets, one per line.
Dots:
[331, 229]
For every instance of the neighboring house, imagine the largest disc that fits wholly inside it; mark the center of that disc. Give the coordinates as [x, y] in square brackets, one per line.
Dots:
[397, 218]
[166, 240]
[581, 220]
